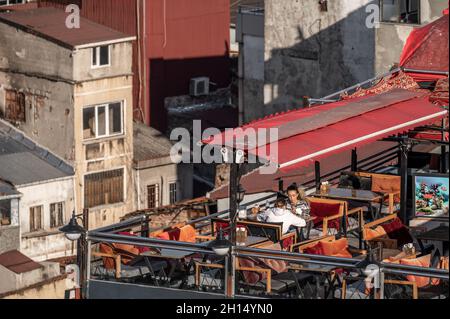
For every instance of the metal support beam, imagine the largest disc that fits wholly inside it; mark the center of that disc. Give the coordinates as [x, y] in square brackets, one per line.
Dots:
[443, 159]
[317, 174]
[280, 185]
[354, 160]
[233, 187]
[404, 149]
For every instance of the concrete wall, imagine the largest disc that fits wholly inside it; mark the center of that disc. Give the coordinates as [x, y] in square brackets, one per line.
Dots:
[314, 53]
[11, 281]
[49, 289]
[119, 53]
[163, 175]
[48, 243]
[55, 109]
[48, 112]
[10, 235]
[23, 52]
[391, 37]
[252, 97]
[105, 153]
[9, 238]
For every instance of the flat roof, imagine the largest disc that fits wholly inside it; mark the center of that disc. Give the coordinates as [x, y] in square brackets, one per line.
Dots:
[50, 24]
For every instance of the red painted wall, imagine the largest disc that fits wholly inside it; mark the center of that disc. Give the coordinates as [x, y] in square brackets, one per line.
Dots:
[187, 38]
[182, 39]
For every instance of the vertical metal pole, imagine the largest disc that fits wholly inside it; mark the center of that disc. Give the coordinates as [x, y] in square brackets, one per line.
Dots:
[317, 174]
[83, 254]
[443, 159]
[280, 185]
[404, 149]
[443, 149]
[234, 171]
[88, 267]
[354, 160]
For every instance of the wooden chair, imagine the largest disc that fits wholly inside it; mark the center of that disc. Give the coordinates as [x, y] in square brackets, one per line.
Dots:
[120, 263]
[330, 219]
[379, 182]
[285, 281]
[355, 288]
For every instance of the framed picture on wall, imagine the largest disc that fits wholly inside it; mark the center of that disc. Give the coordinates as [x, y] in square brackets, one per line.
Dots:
[430, 195]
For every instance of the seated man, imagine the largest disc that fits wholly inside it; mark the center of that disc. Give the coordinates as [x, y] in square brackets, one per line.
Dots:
[279, 214]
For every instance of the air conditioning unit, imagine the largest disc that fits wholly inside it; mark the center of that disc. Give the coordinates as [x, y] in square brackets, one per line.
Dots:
[199, 86]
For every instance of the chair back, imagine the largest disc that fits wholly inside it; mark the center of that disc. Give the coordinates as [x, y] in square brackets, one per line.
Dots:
[382, 183]
[272, 231]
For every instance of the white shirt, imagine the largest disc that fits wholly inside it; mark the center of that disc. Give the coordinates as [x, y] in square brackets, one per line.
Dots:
[280, 215]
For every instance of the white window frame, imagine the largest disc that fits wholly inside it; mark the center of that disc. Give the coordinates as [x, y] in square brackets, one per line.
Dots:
[107, 133]
[97, 54]
[11, 4]
[63, 206]
[176, 191]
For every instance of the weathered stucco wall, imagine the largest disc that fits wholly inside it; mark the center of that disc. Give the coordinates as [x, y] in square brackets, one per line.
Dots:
[9, 238]
[119, 53]
[54, 288]
[23, 52]
[391, 37]
[314, 53]
[48, 243]
[163, 176]
[11, 282]
[48, 111]
[105, 153]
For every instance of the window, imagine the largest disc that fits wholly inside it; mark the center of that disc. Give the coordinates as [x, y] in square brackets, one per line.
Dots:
[103, 120]
[173, 193]
[5, 212]
[14, 106]
[153, 196]
[36, 218]
[100, 56]
[56, 215]
[10, 2]
[103, 188]
[400, 11]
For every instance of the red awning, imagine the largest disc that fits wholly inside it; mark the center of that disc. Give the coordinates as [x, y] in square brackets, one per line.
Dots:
[309, 135]
[427, 49]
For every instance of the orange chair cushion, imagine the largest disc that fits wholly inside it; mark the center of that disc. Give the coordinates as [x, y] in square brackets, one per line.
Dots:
[108, 263]
[132, 250]
[386, 184]
[424, 261]
[370, 234]
[164, 235]
[187, 234]
[251, 277]
[279, 266]
[337, 248]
